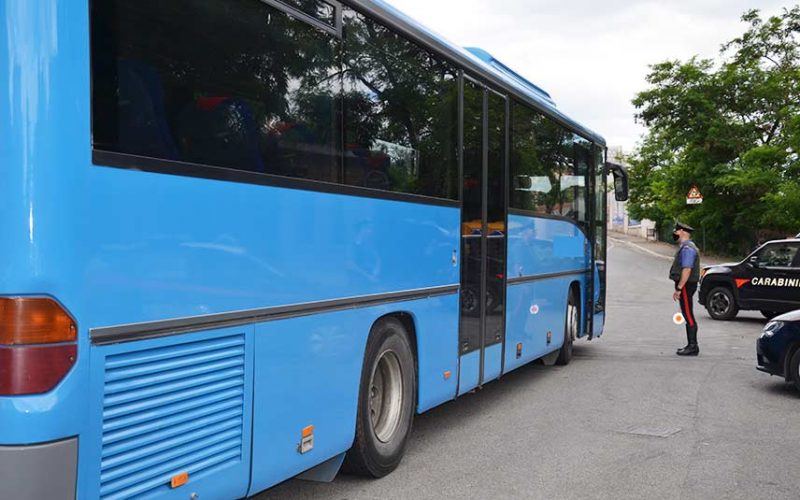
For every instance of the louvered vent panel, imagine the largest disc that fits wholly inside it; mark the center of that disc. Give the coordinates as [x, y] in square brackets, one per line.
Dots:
[170, 410]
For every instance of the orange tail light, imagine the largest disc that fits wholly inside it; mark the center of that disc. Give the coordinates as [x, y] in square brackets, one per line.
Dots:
[34, 320]
[37, 345]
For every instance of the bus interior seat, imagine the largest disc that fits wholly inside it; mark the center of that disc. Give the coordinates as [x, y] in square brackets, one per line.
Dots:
[220, 131]
[142, 120]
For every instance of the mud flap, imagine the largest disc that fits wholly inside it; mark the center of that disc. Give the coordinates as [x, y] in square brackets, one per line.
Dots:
[324, 472]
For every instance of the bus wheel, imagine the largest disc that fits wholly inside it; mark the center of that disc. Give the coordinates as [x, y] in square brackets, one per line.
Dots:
[385, 402]
[571, 325]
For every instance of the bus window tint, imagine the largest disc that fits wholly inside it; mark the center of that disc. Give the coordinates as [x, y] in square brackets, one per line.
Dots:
[234, 84]
[531, 182]
[544, 177]
[600, 200]
[400, 113]
[575, 182]
[317, 9]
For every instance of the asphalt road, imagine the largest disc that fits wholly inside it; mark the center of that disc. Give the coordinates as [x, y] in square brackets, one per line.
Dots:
[626, 419]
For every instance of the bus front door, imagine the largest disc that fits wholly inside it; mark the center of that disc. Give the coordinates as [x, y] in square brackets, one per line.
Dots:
[483, 236]
[600, 245]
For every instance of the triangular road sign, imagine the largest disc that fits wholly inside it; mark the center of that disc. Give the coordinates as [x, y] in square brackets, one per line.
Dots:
[694, 194]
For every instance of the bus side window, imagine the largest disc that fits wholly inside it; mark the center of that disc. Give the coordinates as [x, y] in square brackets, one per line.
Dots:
[220, 131]
[217, 83]
[583, 159]
[400, 112]
[142, 119]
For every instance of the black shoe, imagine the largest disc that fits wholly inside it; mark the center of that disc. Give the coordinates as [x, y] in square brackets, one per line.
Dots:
[689, 350]
[681, 349]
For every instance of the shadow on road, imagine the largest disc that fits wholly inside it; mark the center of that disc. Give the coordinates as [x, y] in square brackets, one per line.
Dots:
[739, 319]
[434, 428]
[779, 387]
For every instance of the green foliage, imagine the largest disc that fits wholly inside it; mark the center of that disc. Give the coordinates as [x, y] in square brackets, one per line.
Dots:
[730, 126]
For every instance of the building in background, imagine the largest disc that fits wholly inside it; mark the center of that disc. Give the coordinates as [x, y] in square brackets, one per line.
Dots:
[619, 220]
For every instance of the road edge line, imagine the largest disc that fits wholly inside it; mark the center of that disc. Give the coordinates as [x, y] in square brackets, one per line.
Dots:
[638, 247]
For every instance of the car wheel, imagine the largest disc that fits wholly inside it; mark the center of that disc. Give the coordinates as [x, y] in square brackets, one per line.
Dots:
[386, 402]
[769, 314]
[470, 301]
[793, 374]
[571, 325]
[721, 304]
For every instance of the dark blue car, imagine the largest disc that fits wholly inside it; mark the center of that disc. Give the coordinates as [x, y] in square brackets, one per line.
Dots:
[778, 348]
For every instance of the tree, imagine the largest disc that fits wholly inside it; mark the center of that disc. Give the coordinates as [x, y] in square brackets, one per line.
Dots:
[730, 126]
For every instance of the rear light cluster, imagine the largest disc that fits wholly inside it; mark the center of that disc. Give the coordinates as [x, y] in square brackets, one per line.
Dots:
[37, 345]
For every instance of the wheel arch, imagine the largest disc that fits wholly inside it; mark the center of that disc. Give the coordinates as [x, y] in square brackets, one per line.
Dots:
[717, 282]
[574, 285]
[406, 318]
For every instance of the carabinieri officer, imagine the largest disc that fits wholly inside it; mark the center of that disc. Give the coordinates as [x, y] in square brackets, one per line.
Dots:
[685, 272]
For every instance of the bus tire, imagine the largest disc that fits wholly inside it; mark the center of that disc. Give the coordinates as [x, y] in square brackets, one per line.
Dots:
[386, 402]
[571, 325]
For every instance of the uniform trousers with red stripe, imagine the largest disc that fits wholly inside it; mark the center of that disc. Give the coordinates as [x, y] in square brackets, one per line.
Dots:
[687, 309]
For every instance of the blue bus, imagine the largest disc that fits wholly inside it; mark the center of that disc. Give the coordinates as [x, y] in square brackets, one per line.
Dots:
[248, 240]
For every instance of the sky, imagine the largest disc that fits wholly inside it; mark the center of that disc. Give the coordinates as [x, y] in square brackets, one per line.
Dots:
[592, 56]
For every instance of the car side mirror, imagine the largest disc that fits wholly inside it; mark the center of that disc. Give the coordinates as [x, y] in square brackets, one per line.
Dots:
[620, 180]
[522, 183]
[753, 261]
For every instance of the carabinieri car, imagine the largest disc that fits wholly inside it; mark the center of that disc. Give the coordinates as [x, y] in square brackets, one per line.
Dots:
[768, 280]
[778, 349]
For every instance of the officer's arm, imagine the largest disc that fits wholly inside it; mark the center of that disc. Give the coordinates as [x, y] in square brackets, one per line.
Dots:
[686, 272]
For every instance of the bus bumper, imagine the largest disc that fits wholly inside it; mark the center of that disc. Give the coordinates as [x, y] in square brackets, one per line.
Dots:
[33, 472]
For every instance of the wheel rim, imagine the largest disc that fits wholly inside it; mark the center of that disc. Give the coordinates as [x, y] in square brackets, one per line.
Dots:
[386, 396]
[572, 324]
[470, 300]
[720, 303]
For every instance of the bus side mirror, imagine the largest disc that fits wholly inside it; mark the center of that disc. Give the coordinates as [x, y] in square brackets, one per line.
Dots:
[620, 180]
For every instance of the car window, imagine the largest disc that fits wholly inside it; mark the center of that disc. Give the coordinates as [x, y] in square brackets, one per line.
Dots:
[778, 255]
